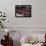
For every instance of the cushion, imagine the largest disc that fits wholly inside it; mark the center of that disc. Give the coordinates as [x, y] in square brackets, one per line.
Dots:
[26, 39]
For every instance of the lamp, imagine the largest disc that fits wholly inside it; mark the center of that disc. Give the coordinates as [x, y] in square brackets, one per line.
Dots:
[7, 31]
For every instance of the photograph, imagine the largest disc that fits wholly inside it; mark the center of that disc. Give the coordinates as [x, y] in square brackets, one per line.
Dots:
[23, 10]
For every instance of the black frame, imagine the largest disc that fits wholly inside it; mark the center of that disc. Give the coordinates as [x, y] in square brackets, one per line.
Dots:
[23, 6]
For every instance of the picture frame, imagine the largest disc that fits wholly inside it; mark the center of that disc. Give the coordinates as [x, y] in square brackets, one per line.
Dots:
[23, 10]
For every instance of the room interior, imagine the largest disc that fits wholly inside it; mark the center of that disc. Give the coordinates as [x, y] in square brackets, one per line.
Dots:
[23, 31]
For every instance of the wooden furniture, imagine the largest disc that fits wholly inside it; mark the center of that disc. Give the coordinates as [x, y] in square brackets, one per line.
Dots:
[8, 41]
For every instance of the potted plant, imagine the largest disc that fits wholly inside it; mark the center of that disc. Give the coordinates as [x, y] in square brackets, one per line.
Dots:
[2, 19]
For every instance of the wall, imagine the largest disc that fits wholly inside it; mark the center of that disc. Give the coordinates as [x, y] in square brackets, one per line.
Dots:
[36, 23]
[38, 18]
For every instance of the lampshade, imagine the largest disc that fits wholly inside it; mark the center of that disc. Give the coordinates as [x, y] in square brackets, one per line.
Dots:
[7, 30]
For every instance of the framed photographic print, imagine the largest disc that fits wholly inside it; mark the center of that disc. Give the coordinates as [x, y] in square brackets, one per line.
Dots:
[23, 11]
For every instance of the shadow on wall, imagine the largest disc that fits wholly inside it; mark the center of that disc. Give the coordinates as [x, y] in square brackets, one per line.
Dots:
[16, 43]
